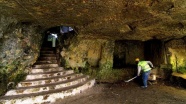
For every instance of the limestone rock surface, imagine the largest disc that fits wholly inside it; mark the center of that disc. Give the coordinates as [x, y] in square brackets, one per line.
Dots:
[112, 19]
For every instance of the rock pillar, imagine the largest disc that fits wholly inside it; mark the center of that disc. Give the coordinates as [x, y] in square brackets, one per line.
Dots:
[106, 62]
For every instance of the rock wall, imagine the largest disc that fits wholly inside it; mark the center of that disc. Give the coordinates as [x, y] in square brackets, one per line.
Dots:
[106, 62]
[93, 57]
[96, 52]
[19, 48]
[126, 52]
[176, 54]
[82, 52]
[153, 51]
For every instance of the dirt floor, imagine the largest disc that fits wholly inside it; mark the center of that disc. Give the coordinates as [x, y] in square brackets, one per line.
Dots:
[128, 93]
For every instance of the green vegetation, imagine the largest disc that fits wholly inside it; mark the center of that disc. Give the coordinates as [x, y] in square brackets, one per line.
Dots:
[110, 75]
[18, 76]
[104, 74]
[182, 70]
[6, 77]
[178, 64]
[3, 81]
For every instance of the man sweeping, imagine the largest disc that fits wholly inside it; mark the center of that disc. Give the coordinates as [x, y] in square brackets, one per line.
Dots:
[144, 67]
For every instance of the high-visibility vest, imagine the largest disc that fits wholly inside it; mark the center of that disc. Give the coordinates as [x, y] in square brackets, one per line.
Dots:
[144, 66]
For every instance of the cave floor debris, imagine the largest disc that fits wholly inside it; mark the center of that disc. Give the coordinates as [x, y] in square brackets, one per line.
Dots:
[129, 93]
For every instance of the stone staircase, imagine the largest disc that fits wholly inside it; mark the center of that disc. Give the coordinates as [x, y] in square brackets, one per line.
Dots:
[47, 82]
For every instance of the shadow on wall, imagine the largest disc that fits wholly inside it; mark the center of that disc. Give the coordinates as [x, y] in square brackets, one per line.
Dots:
[125, 53]
[153, 51]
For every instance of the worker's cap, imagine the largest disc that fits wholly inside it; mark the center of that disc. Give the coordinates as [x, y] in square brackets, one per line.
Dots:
[137, 59]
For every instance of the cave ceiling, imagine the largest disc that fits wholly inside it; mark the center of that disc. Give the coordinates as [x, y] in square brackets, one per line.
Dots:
[113, 19]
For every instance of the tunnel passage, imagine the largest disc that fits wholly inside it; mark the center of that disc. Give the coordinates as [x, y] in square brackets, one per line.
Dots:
[49, 36]
[134, 22]
[153, 51]
[55, 36]
[119, 54]
[126, 51]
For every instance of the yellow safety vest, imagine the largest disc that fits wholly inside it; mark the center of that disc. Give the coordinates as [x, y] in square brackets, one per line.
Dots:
[144, 66]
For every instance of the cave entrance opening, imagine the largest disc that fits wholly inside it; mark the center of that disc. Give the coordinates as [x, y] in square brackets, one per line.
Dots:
[56, 35]
[126, 51]
[58, 39]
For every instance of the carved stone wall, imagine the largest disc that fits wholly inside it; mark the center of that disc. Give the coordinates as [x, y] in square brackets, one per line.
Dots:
[126, 52]
[20, 45]
[176, 53]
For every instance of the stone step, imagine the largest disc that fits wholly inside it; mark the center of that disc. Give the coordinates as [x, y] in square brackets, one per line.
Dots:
[46, 58]
[42, 81]
[46, 62]
[47, 55]
[47, 49]
[47, 74]
[36, 70]
[48, 96]
[46, 87]
[46, 52]
[44, 47]
[45, 66]
[47, 82]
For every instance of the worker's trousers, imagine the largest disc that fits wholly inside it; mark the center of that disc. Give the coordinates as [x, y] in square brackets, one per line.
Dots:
[145, 76]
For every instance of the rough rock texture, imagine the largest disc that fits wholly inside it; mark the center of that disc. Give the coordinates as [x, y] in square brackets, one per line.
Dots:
[83, 52]
[176, 53]
[90, 56]
[118, 19]
[19, 48]
[125, 52]
[98, 24]
[22, 43]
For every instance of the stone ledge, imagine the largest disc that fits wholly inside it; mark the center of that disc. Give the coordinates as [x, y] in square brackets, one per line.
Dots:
[178, 79]
[179, 75]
